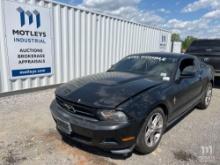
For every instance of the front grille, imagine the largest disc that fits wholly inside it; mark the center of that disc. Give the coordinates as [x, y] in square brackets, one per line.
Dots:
[77, 109]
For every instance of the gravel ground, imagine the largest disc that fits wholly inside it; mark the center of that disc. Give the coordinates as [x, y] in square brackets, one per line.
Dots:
[28, 136]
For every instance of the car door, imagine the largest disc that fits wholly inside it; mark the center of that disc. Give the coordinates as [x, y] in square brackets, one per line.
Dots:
[186, 89]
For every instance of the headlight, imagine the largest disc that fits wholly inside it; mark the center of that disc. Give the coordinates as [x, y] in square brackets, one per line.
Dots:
[112, 115]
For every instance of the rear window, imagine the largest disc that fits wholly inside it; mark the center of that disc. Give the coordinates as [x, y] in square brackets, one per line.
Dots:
[205, 46]
[206, 43]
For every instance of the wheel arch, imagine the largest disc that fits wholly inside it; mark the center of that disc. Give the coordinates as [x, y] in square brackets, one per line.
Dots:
[164, 108]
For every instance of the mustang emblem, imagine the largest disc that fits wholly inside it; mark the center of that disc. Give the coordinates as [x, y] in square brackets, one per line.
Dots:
[69, 107]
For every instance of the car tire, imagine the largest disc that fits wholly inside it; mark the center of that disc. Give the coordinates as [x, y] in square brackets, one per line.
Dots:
[149, 138]
[206, 99]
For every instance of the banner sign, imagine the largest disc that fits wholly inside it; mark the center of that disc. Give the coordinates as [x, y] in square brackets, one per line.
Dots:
[28, 35]
[163, 42]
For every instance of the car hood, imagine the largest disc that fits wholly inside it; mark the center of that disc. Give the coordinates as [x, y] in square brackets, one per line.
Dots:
[104, 90]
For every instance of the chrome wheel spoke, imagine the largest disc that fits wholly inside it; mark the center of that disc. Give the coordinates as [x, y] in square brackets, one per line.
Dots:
[151, 143]
[147, 135]
[156, 120]
[149, 124]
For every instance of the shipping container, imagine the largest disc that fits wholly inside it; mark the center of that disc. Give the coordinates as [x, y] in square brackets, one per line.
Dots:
[84, 42]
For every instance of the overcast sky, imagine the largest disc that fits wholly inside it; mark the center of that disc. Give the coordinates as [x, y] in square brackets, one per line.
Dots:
[200, 18]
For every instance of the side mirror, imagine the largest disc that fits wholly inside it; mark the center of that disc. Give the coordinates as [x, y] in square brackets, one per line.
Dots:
[189, 74]
[185, 75]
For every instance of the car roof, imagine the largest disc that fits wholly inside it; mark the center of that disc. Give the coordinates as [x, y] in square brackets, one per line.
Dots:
[165, 54]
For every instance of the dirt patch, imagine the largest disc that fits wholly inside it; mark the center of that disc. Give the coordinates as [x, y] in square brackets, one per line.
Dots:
[12, 158]
[13, 153]
[184, 156]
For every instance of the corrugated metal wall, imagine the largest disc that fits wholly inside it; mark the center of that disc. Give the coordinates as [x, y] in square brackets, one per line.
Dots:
[85, 43]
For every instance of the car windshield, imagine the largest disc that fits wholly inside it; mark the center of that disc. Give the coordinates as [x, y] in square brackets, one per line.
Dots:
[157, 67]
[205, 45]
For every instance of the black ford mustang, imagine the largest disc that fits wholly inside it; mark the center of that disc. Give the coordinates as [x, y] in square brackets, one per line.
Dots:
[131, 104]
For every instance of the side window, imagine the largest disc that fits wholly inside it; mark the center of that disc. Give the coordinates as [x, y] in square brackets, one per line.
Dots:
[187, 65]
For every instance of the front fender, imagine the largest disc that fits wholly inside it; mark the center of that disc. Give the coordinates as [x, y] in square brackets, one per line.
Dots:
[141, 105]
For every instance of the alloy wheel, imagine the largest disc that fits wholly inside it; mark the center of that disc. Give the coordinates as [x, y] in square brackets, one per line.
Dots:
[154, 129]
